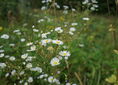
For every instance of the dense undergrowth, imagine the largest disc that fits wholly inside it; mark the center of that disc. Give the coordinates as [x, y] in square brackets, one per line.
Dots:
[51, 48]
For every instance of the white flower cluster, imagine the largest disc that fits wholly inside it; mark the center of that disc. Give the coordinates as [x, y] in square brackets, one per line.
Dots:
[28, 60]
[72, 29]
[65, 9]
[32, 47]
[44, 42]
[46, 1]
[17, 32]
[92, 4]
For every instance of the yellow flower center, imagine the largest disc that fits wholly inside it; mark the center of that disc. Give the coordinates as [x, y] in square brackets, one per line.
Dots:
[65, 54]
[46, 41]
[58, 42]
[55, 63]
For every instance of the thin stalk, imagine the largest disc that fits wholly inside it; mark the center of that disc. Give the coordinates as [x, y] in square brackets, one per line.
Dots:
[116, 7]
[99, 76]
[78, 77]
[108, 7]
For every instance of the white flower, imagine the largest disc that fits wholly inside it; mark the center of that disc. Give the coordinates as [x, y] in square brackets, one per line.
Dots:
[66, 58]
[64, 53]
[5, 36]
[29, 65]
[73, 9]
[57, 5]
[58, 29]
[45, 75]
[74, 84]
[30, 79]
[94, 1]
[58, 42]
[33, 48]
[43, 8]
[1, 55]
[71, 33]
[74, 24]
[1, 46]
[18, 33]
[52, 30]
[25, 83]
[55, 61]
[21, 81]
[44, 35]
[56, 81]
[29, 58]
[29, 44]
[93, 8]
[12, 44]
[81, 45]
[22, 40]
[15, 31]
[45, 79]
[24, 63]
[45, 41]
[50, 79]
[38, 69]
[25, 24]
[1, 51]
[24, 56]
[46, 1]
[35, 30]
[65, 7]
[12, 58]
[33, 26]
[86, 19]
[7, 74]
[94, 5]
[13, 72]
[41, 20]
[65, 11]
[7, 56]
[22, 72]
[2, 65]
[72, 29]
[40, 77]
[68, 84]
